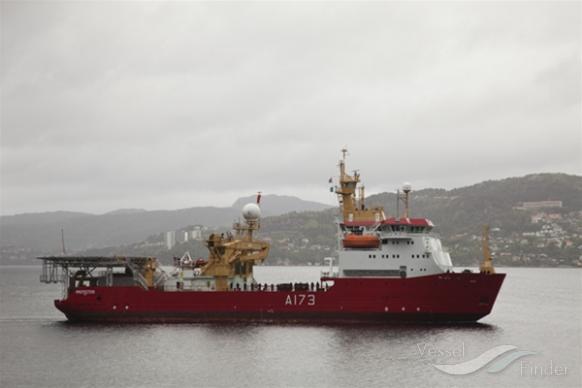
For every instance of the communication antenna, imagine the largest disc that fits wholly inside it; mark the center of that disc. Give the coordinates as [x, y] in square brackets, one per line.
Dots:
[64, 250]
[398, 203]
[406, 188]
[344, 152]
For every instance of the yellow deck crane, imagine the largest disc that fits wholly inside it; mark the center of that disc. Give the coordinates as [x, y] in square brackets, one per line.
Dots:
[234, 256]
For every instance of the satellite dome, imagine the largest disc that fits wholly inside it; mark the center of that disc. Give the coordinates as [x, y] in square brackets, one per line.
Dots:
[251, 212]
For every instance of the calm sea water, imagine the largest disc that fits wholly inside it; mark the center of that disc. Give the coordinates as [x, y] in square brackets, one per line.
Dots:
[538, 310]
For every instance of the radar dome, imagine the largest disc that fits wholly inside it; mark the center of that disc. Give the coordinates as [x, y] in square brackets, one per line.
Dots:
[251, 212]
[407, 187]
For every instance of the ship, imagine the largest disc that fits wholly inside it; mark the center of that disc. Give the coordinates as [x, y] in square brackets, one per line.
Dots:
[389, 269]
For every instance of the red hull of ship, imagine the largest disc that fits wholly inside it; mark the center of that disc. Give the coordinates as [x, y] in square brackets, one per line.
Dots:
[454, 297]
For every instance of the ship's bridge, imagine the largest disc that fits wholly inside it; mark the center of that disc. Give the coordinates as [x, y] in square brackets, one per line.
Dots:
[391, 247]
[394, 225]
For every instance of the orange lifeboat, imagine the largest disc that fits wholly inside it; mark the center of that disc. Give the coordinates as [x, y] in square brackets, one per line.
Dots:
[361, 241]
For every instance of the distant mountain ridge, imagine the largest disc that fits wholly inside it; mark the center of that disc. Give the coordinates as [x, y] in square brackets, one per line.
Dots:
[490, 202]
[273, 203]
[126, 211]
[534, 237]
[41, 231]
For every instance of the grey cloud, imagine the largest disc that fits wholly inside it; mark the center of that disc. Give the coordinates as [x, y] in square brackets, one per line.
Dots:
[167, 105]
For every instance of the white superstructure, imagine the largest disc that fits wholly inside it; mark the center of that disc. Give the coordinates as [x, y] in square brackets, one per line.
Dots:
[404, 248]
[371, 245]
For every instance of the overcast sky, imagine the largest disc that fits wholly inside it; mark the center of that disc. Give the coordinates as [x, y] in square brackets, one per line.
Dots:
[171, 105]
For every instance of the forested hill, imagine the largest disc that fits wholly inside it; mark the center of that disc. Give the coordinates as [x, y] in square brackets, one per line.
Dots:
[466, 209]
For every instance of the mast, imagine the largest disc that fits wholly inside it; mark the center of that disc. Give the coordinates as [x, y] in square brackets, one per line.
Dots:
[63, 249]
[347, 190]
[486, 266]
[362, 199]
[403, 196]
[354, 209]
[398, 203]
[406, 188]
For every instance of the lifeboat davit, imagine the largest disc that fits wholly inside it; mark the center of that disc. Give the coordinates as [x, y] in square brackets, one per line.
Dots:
[361, 241]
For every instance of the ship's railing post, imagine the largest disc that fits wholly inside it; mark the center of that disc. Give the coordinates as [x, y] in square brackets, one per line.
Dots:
[50, 272]
[54, 273]
[43, 272]
[65, 281]
[109, 277]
